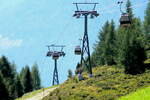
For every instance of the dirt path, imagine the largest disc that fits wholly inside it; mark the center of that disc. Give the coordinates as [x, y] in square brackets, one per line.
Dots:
[41, 95]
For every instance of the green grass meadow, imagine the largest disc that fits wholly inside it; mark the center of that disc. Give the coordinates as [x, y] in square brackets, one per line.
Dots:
[142, 94]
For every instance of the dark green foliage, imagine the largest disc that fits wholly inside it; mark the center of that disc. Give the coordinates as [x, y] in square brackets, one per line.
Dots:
[10, 79]
[97, 56]
[8, 74]
[79, 69]
[26, 79]
[70, 74]
[5, 68]
[129, 9]
[147, 29]
[134, 65]
[104, 49]
[147, 19]
[18, 87]
[14, 85]
[3, 91]
[36, 81]
[109, 45]
[123, 46]
[130, 48]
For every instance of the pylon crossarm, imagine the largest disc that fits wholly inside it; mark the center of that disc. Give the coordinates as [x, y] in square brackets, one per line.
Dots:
[86, 3]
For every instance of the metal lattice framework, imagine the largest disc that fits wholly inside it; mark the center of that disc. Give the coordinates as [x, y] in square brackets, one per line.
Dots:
[55, 56]
[85, 54]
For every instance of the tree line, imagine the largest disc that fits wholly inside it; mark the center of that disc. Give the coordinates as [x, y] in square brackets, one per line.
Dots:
[14, 84]
[126, 47]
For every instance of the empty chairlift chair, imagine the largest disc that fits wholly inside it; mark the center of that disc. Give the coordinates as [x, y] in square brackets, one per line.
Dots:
[77, 50]
[125, 20]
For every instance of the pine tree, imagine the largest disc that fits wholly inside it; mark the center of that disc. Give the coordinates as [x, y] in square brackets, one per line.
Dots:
[130, 41]
[8, 73]
[104, 50]
[99, 51]
[3, 91]
[18, 87]
[70, 74]
[147, 19]
[147, 28]
[5, 68]
[129, 9]
[21, 76]
[109, 45]
[36, 81]
[134, 58]
[26, 79]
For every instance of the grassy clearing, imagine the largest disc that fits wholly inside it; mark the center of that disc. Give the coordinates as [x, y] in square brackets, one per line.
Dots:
[142, 94]
[108, 83]
[31, 94]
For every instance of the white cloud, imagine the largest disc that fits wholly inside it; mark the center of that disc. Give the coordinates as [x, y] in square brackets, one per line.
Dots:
[6, 42]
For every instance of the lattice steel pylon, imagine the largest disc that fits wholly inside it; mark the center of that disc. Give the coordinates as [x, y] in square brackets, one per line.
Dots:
[85, 53]
[55, 56]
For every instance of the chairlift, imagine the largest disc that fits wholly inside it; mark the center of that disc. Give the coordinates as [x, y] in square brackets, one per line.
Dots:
[62, 53]
[77, 50]
[55, 55]
[49, 53]
[125, 20]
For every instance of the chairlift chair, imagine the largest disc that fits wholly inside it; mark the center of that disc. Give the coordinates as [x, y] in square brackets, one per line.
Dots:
[77, 50]
[125, 20]
[62, 53]
[55, 55]
[49, 53]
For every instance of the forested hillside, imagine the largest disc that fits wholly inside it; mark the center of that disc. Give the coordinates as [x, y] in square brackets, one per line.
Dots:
[14, 84]
[124, 46]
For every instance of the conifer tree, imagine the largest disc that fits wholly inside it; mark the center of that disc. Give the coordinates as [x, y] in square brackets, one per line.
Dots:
[36, 81]
[147, 19]
[99, 49]
[109, 45]
[26, 79]
[18, 87]
[70, 74]
[147, 28]
[129, 43]
[8, 73]
[3, 91]
[129, 9]
[5, 68]
[104, 50]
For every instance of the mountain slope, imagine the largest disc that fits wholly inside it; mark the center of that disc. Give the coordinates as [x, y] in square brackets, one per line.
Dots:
[108, 83]
[142, 94]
